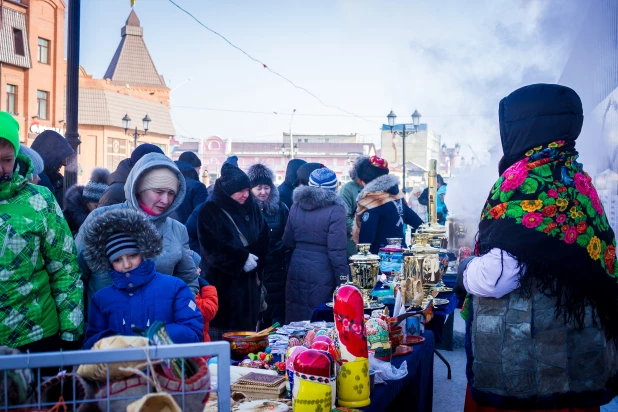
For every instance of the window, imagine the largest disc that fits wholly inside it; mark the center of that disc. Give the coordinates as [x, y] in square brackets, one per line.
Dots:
[42, 104]
[18, 40]
[306, 140]
[43, 51]
[11, 98]
[214, 145]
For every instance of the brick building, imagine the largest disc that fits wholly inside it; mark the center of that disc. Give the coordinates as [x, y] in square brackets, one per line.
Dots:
[214, 150]
[131, 86]
[32, 66]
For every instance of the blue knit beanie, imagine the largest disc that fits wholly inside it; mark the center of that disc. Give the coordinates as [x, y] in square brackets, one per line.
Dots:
[324, 178]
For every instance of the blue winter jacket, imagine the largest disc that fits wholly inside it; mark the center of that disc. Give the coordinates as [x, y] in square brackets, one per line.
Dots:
[137, 299]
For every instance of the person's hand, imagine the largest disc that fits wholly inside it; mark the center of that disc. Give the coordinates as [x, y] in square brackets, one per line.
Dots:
[251, 263]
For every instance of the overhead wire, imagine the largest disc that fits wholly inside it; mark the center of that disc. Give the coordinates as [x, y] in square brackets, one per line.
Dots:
[268, 68]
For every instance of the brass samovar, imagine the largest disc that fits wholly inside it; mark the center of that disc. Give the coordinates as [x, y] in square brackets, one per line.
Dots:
[365, 269]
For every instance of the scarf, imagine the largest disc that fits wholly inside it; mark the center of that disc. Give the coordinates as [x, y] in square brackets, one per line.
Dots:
[545, 212]
[368, 201]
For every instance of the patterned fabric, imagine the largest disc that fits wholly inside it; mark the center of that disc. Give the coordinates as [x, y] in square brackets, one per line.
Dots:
[543, 208]
[41, 293]
[378, 162]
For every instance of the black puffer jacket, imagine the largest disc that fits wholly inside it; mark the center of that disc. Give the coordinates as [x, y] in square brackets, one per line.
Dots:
[275, 272]
[291, 181]
[196, 192]
[53, 149]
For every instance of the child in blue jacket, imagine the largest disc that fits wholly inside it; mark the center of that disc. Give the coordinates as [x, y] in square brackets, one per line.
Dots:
[125, 242]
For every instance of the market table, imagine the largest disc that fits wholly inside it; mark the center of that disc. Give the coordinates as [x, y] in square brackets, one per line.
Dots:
[415, 391]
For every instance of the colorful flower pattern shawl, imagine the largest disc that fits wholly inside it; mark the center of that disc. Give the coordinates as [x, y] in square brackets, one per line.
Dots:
[545, 211]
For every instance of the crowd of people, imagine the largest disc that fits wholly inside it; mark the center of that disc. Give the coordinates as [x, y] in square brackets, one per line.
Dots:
[149, 242]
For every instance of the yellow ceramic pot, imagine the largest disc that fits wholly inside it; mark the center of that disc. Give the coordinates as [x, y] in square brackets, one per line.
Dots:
[353, 384]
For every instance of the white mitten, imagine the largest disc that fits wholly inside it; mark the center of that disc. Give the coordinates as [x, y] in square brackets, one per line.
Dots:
[251, 263]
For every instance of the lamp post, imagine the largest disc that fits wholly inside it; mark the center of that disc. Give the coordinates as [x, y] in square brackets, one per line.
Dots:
[416, 119]
[126, 122]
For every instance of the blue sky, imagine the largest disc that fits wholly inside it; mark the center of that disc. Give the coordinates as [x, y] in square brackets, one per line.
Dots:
[451, 60]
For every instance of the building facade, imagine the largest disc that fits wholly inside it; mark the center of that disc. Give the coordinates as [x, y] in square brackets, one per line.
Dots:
[324, 138]
[32, 66]
[213, 151]
[131, 86]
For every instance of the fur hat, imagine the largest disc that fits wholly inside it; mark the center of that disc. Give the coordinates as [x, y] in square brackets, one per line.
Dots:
[233, 179]
[121, 220]
[324, 178]
[190, 158]
[96, 186]
[37, 162]
[260, 174]
[370, 168]
[158, 178]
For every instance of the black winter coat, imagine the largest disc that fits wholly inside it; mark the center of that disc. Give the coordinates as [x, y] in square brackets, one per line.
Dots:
[275, 271]
[75, 210]
[53, 149]
[224, 257]
[196, 192]
[291, 181]
[114, 194]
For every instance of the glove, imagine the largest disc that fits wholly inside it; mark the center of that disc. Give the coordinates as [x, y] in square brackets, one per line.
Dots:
[251, 263]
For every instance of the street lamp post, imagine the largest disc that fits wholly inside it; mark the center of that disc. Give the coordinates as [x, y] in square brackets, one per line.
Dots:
[126, 122]
[416, 118]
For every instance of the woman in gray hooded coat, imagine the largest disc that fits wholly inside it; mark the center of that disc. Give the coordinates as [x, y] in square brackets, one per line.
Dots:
[316, 228]
[155, 187]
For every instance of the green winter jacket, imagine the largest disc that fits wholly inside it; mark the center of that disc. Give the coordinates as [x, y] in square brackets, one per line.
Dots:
[41, 293]
[349, 192]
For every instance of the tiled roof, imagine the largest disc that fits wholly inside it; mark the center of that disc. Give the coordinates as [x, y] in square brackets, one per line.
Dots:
[132, 63]
[105, 108]
[13, 19]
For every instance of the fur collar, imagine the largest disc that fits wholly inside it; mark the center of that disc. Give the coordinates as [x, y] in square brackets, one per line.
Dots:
[271, 206]
[124, 219]
[380, 184]
[310, 198]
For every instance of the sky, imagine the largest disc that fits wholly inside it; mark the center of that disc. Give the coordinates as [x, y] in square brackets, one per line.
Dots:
[451, 60]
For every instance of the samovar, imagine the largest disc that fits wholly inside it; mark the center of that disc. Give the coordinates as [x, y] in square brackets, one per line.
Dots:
[365, 268]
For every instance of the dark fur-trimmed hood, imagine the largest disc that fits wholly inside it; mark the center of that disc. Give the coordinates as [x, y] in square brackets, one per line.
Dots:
[380, 184]
[310, 198]
[260, 172]
[126, 220]
[75, 209]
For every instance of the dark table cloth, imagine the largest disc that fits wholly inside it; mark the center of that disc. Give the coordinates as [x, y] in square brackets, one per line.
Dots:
[415, 391]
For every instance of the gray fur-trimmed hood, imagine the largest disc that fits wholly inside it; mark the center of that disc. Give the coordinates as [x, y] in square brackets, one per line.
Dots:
[125, 220]
[260, 172]
[380, 184]
[311, 198]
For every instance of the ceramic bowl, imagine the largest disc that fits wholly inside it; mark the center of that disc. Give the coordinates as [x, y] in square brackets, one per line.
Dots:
[244, 343]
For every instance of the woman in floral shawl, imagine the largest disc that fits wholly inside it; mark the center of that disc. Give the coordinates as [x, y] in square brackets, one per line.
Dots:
[542, 323]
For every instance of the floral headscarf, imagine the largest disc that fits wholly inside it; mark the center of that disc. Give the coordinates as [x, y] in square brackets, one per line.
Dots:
[545, 211]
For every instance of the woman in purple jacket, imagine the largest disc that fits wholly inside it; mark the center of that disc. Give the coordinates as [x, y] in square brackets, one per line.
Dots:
[317, 229]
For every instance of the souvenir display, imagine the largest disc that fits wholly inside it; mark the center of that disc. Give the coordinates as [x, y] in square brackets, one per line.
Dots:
[312, 389]
[353, 379]
[293, 352]
[259, 386]
[391, 260]
[244, 343]
[378, 339]
[365, 269]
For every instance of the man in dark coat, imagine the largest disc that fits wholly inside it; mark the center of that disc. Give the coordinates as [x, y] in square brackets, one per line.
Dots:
[53, 149]
[115, 192]
[291, 181]
[192, 159]
[196, 192]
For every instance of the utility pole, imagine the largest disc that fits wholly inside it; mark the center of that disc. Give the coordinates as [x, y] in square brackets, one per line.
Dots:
[72, 134]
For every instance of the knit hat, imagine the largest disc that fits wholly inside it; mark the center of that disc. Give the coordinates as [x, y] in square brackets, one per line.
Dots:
[190, 158]
[260, 174]
[370, 168]
[120, 244]
[197, 259]
[233, 160]
[324, 178]
[159, 178]
[96, 186]
[9, 129]
[37, 162]
[143, 149]
[233, 179]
